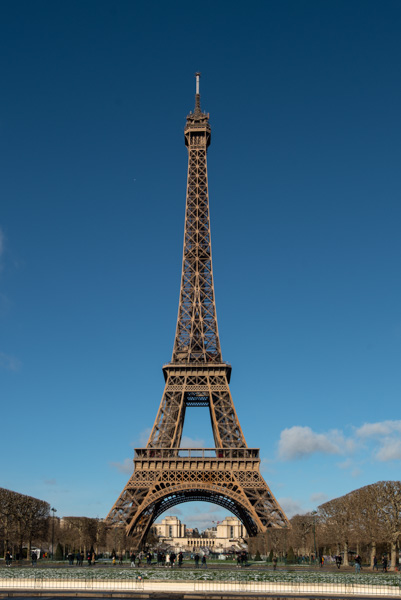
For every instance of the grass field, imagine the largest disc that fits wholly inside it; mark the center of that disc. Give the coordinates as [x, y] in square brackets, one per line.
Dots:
[209, 574]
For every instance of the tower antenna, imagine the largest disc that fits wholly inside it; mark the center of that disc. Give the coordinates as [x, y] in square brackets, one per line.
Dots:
[197, 76]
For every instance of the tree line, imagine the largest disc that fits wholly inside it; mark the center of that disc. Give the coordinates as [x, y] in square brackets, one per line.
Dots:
[367, 521]
[24, 521]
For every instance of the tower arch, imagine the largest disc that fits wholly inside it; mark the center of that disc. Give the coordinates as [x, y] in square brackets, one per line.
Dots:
[201, 493]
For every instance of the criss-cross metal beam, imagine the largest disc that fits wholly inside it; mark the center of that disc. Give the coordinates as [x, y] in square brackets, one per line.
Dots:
[196, 376]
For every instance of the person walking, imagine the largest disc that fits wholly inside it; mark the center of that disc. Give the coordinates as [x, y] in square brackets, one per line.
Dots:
[358, 562]
[196, 558]
[132, 559]
[180, 559]
[274, 563]
[204, 563]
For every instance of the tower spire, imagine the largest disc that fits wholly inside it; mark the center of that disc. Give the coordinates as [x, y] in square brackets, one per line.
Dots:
[198, 110]
[197, 337]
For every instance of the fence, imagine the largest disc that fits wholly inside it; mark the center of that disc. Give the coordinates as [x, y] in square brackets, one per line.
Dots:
[94, 584]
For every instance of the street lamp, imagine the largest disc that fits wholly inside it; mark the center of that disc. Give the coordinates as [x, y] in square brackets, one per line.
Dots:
[314, 513]
[265, 543]
[53, 511]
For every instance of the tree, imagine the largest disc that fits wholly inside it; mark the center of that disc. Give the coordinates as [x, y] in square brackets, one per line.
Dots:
[79, 533]
[302, 533]
[367, 515]
[290, 556]
[118, 539]
[22, 518]
[101, 536]
[152, 539]
[367, 521]
[6, 516]
[388, 498]
[278, 541]
[337, 517]
[59, 552]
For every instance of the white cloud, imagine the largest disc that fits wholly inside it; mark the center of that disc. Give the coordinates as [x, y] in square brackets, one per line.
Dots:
[143, 438]
[188, 442]
[127, 466]
[266, 465]
[390, 450]
[378, 429]
[349, 465]
[9, 363]
[345, 464]
[173, 511]
[318, 498]
[298, 442]
[381, 440]
[203, 519]
[291, 507]
[386, 436]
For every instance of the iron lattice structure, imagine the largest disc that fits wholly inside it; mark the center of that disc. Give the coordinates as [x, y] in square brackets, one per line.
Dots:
[165, 474]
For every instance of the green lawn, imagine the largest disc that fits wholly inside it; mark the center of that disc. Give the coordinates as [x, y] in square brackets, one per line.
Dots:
[209, 574]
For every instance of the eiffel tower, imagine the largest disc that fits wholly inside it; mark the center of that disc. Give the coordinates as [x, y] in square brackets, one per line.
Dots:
[165, 474]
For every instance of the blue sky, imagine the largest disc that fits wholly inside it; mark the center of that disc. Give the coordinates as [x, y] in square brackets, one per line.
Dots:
[304, 177]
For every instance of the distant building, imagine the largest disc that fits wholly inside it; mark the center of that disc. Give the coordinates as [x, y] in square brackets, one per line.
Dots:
[170, 527]
[230, 528]
[229, 534]
[210, 532]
